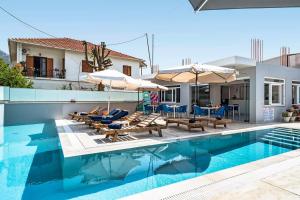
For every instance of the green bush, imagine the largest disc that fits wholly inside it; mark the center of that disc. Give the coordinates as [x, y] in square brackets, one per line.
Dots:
[12, 77]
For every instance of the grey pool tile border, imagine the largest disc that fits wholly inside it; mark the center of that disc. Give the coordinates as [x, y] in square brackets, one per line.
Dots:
[200, 187]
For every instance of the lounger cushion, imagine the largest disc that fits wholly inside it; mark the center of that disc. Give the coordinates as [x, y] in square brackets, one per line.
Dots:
[106, 121]
[115, 126]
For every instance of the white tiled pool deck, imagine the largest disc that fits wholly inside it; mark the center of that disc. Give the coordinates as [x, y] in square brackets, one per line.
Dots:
[276, 177]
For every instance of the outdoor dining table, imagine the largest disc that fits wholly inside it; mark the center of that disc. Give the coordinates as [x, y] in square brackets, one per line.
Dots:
[153, 107]
[174, 110]
[209, 109]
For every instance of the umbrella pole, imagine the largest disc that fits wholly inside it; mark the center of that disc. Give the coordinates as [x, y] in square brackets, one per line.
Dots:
[138, 100]
[196, 95]
[108, 103]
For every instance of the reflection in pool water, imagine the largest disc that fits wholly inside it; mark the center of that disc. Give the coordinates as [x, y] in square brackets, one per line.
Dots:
[32, 165]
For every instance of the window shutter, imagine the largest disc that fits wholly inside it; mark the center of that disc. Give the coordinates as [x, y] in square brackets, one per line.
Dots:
[127, 70]
[50, 67]
[86, 67]
[29, 65]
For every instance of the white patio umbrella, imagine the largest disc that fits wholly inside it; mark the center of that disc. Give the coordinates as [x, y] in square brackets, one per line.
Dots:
[112, 79]
[112, 167]
[144, 85]
[197, 73]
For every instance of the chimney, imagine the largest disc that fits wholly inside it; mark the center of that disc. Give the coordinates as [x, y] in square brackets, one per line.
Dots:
[257, 50]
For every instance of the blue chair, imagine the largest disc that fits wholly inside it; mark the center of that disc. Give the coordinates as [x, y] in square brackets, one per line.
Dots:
[198, 111]
[220, 113]
[159, 108]
[167, 109]
[148, 109]
[182, 110]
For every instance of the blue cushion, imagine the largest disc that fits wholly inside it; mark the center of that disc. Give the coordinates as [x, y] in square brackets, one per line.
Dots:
[115, 126]
[106, 121]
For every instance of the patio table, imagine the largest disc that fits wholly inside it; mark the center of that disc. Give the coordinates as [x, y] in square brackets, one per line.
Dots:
[174, 110]
[153, 107]
[209, 109]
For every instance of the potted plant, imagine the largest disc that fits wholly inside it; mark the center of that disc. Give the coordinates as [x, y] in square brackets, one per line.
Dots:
[294, 116]
[286, 117]
[290, 112]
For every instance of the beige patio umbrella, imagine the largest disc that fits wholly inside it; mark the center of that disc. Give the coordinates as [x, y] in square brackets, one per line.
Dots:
[197, 73]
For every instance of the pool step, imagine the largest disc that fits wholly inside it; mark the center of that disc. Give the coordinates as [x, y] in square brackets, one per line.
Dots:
[285, 133]
[295, 131]
[279, 143]
[281, 139]
[290, 137]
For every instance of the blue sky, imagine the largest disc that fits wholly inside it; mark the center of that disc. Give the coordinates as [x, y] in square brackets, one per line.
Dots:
[179, 32]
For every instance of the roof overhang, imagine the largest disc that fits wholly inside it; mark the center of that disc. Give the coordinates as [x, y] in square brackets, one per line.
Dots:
[236, 62]
[199, 5]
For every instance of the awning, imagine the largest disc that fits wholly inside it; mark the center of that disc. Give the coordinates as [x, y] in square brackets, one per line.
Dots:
[241, 4]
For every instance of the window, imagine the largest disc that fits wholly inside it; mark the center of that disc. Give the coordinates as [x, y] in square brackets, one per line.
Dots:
[295, 92]
[202, 93]
[172, 95]
[127, 70]
[274, 92]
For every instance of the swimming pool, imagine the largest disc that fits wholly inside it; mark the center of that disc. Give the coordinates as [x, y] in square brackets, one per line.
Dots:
[32, 164]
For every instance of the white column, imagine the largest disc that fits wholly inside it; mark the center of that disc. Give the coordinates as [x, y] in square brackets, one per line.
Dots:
[19, 53]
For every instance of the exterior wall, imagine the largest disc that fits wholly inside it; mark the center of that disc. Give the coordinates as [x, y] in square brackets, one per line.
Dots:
[274, 71]
[73, 65]
[23, 113]
[33, 50]
[58, 84]
[118, 65]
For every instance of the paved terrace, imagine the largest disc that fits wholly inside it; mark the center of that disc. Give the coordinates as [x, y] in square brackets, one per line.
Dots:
[276, 177]
[78, 139]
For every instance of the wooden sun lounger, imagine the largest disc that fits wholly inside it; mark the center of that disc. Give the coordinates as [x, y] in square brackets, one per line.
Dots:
[78, 117]
[147, 124]
[216, 122]
[185, 122]
[131, 119]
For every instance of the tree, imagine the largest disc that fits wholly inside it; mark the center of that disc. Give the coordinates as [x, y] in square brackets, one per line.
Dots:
[12, 77]
[99, 55]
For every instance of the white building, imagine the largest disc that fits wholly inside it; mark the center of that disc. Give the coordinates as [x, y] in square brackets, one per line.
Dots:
[54, 63]
[263, 90]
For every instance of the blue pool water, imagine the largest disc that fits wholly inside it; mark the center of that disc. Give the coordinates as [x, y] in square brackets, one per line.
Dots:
[32, 165]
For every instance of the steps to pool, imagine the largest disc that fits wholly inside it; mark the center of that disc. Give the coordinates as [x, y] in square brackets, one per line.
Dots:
[284, 137]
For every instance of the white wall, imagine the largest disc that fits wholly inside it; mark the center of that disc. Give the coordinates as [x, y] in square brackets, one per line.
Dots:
[73, 65]
[118, 65]
[56, 54]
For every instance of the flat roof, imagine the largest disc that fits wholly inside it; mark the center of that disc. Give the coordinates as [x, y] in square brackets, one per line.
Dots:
[199, 5]
[237, 62]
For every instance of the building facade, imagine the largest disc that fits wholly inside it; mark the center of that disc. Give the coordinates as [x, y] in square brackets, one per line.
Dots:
[59, 63]
[262, 91]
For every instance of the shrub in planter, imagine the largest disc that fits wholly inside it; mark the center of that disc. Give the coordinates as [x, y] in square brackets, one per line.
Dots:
[290, 111]
[286, 116]
[294, 116]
